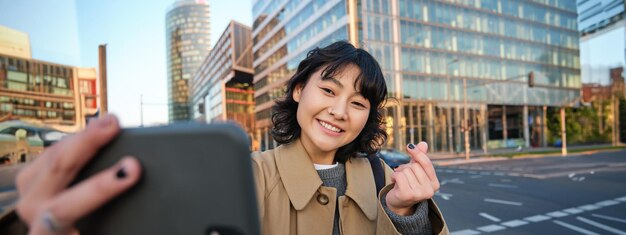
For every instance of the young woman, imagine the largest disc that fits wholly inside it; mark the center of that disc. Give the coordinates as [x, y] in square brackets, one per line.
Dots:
[315, 182]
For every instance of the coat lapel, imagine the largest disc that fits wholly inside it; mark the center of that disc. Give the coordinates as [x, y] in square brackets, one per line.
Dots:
[361, 186]
[297, 173]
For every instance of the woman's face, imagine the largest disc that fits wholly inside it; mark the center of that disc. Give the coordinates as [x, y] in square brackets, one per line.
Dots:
[331, 113]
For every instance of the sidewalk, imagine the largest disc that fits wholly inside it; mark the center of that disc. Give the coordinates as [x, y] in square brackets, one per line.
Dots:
[477, 155]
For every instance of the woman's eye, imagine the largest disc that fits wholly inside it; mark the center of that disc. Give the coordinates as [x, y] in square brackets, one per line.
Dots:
[359, 104]
[329, 91]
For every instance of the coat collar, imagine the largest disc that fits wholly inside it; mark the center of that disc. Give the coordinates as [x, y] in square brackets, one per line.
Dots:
[301, 180]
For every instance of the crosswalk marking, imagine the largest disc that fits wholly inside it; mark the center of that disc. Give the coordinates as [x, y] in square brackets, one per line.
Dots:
[601, 226]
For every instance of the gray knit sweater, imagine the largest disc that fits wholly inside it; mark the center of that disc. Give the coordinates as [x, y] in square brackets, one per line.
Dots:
[417, 223]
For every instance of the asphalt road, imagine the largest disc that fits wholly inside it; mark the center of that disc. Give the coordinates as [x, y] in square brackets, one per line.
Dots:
[552, 195]
[8, 194]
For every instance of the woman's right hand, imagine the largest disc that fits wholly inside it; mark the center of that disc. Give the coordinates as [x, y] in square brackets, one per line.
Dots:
[47, 205]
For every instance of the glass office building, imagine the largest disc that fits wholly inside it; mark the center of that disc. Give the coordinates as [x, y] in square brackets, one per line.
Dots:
[188, 43]
[427, 49]
[221, 89]
[602, 27]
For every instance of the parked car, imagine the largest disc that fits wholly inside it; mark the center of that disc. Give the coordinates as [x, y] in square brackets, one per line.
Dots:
[37, 137]
[394, 158]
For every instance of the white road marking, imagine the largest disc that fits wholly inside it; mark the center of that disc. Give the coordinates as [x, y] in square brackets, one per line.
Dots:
[557, 214]
[589, 207]
[455, 180]
[609, 218]
[514, 223]
[623, 199]
[575, 228]
[502, 185]
[465, 232]
[607, 203]
[537, 218]
[489, 217]
[491, 228]
[475, 176]
[601, 226]
[485, 173]
[445, 196]
[573, 210]
[504, 202]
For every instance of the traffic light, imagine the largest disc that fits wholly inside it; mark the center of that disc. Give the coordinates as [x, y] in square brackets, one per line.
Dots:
[531, 79]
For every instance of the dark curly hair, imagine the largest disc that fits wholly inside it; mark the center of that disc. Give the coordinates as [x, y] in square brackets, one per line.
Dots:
[371, 83]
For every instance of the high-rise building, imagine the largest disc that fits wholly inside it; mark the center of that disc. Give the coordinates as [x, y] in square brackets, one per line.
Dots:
[221, 90]
[602, 27]
[427, 50]
[188, 42]
[60, 96]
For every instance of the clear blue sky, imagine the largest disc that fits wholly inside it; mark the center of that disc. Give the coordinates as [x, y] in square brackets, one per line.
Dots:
[69, 32]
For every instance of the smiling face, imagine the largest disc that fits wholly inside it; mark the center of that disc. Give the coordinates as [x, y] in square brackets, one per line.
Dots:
[331, 112]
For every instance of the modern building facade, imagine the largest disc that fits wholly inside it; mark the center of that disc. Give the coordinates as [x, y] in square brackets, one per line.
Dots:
[222, 88]
[427, 49]
[602, 27]
[56, 95]
[188, 42]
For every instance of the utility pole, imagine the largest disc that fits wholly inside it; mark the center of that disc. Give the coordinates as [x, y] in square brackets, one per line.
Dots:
[465, 120]
[448, 98]
[563, 133]
[141, 108]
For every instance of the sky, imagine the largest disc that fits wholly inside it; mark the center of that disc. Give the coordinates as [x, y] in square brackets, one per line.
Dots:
[69, 32]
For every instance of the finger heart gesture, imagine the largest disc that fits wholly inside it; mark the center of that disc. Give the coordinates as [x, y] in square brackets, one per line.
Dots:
[414, 182]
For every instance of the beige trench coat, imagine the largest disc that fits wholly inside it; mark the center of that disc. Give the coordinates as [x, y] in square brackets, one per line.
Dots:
[292, 200]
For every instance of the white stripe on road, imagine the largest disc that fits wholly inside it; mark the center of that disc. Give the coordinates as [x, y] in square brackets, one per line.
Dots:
[607, 203]
[589, 207]
[445, 196]
[537, 218]
[601, 226]
[475, 176]
[557, 214]
[503, 202]
[502, 185]
[465, 232]
[491, 228]
[623, 199]
[514, 223]
[609, 218]
[573, 210]
[489, 217]
[575, 228]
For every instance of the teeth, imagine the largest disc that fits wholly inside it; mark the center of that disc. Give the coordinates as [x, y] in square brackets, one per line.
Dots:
[329, 127]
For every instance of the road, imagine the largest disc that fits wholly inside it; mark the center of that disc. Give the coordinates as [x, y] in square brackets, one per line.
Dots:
[553, 195]
[8, 195]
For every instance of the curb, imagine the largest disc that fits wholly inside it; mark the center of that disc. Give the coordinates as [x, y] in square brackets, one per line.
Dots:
[457, 161]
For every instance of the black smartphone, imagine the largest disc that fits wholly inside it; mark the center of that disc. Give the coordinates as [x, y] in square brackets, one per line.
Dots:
[197, 179]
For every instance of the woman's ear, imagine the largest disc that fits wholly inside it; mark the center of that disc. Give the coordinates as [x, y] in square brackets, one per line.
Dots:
[297, 92]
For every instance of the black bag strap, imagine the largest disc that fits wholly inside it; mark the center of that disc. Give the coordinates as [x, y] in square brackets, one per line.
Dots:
[378, 170]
